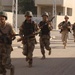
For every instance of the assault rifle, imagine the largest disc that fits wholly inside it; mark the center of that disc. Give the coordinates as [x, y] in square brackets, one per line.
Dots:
[20, 39]
[48, 22]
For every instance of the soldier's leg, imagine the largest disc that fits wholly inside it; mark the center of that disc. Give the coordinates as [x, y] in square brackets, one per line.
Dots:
[31, 46]
[66, 37]
[25, 52]
[47, 43]
[2, 65]
[8, 61]
[74, 38]
[63, 37]
[74, 35]
[42, 48]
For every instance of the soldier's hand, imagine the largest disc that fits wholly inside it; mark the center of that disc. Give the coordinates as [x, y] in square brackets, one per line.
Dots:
[69, 27]
[20, 39]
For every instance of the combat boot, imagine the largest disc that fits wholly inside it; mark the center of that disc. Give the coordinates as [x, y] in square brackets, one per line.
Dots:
[49, 51]
[12, 70]
[30, 63]
[43, 57]
[3, 70]
[4, 74]
[27, 58]
[74, 40]
[64, 45]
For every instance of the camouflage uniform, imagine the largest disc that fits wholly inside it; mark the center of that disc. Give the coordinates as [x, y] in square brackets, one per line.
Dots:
[5, 48]
[45, 27]
[26, 29]
[73, 28]
[65, 28]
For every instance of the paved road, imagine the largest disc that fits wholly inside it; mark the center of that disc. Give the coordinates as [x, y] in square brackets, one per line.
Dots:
[60, 62]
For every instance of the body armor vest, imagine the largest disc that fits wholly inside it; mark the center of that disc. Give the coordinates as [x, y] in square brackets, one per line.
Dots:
[28, 28]
[44, 30]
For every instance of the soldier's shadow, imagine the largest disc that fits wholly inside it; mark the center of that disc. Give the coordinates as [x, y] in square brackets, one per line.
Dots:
[48, 66]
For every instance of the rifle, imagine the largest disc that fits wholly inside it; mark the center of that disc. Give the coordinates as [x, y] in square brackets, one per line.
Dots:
[20, 39]
[48, 22]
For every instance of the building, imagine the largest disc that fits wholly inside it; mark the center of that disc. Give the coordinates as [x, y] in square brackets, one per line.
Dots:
[57, 8]
[6, 5]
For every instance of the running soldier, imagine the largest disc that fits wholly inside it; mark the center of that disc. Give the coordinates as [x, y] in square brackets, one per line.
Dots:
[45, 28]
[27, 31]
[73, 28]
[65, 27]
[6, 36]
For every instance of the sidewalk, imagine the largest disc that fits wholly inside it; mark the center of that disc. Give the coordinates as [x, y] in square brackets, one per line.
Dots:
[60, 62]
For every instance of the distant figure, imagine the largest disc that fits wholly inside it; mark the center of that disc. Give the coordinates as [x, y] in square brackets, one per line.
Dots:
[73, 28]
[65, 27]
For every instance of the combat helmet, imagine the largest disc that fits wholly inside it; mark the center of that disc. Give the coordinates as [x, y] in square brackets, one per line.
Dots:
[45, 14]
[66, 17]
[28, 13]
[2, 13]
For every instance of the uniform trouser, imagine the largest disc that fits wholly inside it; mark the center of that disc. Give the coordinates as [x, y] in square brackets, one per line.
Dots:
[74, 34]
[2, 59]
[8, 61]
[5, 59]
[64, 36]
[44, 43]
[28, 49]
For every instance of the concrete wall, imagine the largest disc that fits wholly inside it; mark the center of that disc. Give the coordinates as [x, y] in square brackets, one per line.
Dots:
[48, 2]
[21, 18]
[6, 2]
[10, 17]
[68, 3]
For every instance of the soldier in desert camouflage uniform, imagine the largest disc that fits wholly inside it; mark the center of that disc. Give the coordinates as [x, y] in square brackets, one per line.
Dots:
[26, 29]
[6, 36]
[45, 27]
[65, 27]
[73, 28]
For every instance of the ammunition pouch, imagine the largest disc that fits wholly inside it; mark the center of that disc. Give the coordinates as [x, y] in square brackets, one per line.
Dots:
[67, 29]
[6, 40]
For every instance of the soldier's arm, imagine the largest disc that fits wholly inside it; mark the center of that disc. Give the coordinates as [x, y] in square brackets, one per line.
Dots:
[12, 32]
[36, 28]
[50, 26]
[60, 25]
[70, 25]
[21, 32]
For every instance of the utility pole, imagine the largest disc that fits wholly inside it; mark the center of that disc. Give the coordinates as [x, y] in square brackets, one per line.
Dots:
[54, 13]
[1, 7]
[15, 14]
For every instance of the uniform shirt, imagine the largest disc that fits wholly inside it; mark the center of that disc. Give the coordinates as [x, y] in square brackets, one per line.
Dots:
[73, 27]
[45, 27]
[64, 25]
[21, 30]
[7, 29]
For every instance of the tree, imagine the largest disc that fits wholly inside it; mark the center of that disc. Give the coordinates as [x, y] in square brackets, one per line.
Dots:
[27, 5]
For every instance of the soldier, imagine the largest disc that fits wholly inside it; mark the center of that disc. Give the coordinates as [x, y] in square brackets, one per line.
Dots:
[6, 36]
[45, 28]
[73, 28]
[65, 27]
[27, 29]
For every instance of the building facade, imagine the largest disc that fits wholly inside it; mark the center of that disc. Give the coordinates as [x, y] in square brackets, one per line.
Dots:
[6, 5]
[57, 8]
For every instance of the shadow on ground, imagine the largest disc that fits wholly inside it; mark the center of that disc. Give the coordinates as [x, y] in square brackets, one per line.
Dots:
[49, 66]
